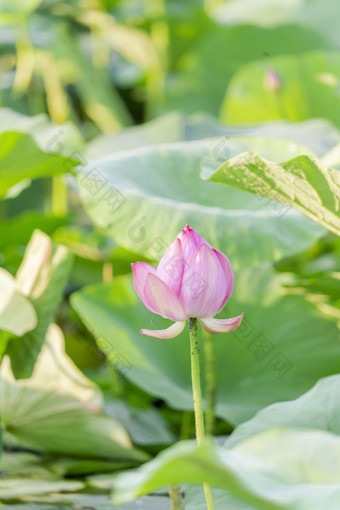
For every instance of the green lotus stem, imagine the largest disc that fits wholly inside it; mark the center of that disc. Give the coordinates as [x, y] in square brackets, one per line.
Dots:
[210, 382]
[197, 394]
[176, 498]
[196, 381]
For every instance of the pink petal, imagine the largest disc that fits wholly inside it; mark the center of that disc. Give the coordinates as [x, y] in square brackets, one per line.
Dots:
[190, 241]
[158, 296]
[221, 325]
[204, 284]
[140, 271]
[229, 277]
[171, 266]
[171, 332]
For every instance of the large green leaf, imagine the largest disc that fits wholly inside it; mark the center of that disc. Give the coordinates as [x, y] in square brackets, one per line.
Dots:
[62, 424]
[318, 135]
[42, 276]
[133, 195]
[318, 409]
[258, 471]
[58, 410]
[205, 70]
[262, 362]
[302, 182]
[21, 159]
[32, 147]
[61, 139]
[54, 371]
[308, 88]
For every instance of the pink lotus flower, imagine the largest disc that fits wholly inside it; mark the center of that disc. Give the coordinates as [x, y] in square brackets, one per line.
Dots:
[193, 280]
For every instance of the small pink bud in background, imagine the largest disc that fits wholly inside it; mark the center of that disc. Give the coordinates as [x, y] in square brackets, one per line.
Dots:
[272, 81]
[193, 280]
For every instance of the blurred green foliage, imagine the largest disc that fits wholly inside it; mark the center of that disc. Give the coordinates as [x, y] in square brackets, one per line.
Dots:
[115, 116]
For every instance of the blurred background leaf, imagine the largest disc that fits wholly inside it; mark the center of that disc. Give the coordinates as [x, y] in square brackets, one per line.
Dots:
[133, 195]
[290, 96]
[42, 277]
[58, 410]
